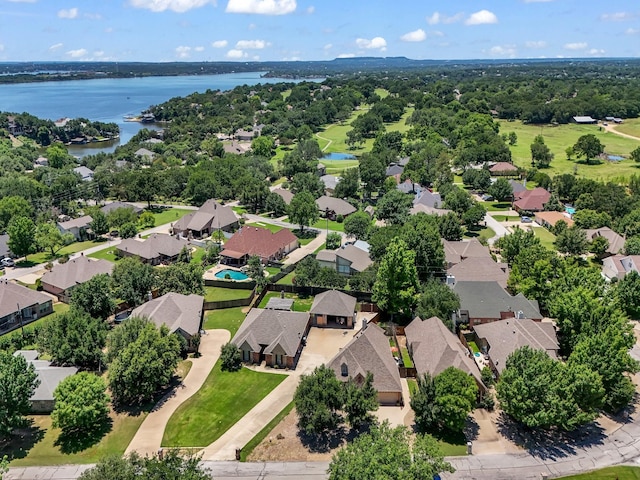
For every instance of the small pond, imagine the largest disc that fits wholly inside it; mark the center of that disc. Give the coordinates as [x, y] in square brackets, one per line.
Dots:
[338, 156]
[615, 158]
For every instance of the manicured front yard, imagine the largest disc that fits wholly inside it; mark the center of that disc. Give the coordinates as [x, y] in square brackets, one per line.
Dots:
[611, 473]
[219, 294]
[106, 254]
[226, 319]
[481, 233]
[321, 224]
[268, 226]
[224, 399]
[496, 206]
[546, 237]
[40, 443]
[169, 215]
[299, 304]
[42, 257]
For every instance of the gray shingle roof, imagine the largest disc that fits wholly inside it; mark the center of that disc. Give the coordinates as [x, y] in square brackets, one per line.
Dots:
[335, 303]
[506, 336]
[176, 311]
[337, 205]
[156, 245]
[12, 295]
[359, 259]
[435, 348]
[489, 299]
[616, 242]
[76, 271]
[455, 252]
[275, 330]
[286, 195]
[49, 377]
[211, 214]
[109, 207]
[428, 199]
[80, 222]
[480, 269]
[369, 351]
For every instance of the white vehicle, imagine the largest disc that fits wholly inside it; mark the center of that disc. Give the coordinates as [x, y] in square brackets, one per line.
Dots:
[7, 262]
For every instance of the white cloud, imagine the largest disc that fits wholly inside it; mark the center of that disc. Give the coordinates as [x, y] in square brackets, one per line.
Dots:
[576, 46]
[98, 53]
[632, 31]
[80, 52]
[183, 52]
[346, 55]
[482, 17]
[262, 7]
[415, 36]
[375, 43]
[596, 51]
[93, 16]
[328, 46]
[219, 44]
[617, 16]
[234, 53]
[536, 44]
[70, 13]
[179, 6]
[198, 49]
[251, 44]
[436, 33]
[56, 46]
[252, 26]
[437, 17]
[504, 51]
[311, 10]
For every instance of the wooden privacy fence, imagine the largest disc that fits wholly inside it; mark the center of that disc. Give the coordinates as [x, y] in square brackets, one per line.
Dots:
[312, 291]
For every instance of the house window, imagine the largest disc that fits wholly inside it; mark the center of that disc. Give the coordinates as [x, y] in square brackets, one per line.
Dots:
[346, 269]
[246, 355]
[279, 360]
[344, 370]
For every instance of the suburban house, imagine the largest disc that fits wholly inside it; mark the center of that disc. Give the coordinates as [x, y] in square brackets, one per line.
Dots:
[516, 187]
[62, 278]
[243, 135]
[20, 305]
[457, 251]
[330, 183]
[287, 195]
[262, 242]
[110, 207]
[420, 208]
[410, 187]
[369, 351]
[394, 170]
[617, 266]
[158, 248]
[531, 200]
[79, 227]
[616, 242]
[5, 251]
[181, 314]
[500, 339]
[145, 154]
[434, 348]
[584, 120]
[48, 376]
[321, 169]
[428, 199]
[275, 337]
[85, 173]
[211, 216]
[549, 219]
[503, 169]
[347, 260]
[486, 302]
[479, 269]
[331, 207]
[333, 309]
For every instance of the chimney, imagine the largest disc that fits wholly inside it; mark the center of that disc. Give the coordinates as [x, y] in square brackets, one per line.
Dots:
[364, 324]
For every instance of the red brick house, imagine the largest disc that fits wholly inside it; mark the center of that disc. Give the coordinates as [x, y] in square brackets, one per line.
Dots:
[250, 240]
[531, 200]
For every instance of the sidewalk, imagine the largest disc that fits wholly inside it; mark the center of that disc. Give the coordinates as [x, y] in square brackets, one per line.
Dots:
[148, 438]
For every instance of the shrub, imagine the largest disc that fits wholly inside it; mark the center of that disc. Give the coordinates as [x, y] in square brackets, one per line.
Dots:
[339, 219]
[230, 358]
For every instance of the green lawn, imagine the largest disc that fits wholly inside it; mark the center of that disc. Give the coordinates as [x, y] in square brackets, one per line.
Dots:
[474, 347]
[611, 473]
[506, 218]
[630, 127]
[268, 226]
[287, 279]
[272, 270]
[546, 237]
[299, 304]
[170, 215]
[336, 167]
[224, 399]
[321, 224]
[558, 138]
[406, 359]
[41, 446]
[262, 434]
[42, 257]
[106, 254]
[481, 233]
[496, 206]
[219, 294]
[226, 319]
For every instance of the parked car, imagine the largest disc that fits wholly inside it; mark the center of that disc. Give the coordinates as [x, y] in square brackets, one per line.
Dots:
[525, 219]
[7, 262]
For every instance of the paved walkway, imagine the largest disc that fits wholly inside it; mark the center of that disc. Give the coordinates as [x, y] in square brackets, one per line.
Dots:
[496, 226]
[148, 438]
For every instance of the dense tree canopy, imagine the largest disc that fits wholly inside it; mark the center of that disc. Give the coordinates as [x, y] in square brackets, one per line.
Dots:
[18, 382]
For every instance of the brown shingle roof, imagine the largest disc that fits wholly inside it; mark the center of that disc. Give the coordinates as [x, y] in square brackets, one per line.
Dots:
[211, 214]
[337, 205]
[269, 329]
[480, 269]
[80, 222]
[174, 310]
[286, 195]
[616, 242]
[532, 200]
[369, 351]
[506, 336]
[76, 271]
[502, 167]
[455, 252]
[552, 218]
[258, 241]
[434, 348]
[155, 246]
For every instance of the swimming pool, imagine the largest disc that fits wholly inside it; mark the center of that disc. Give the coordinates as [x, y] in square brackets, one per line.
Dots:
[570, 210]
[233, 274]
[338, 156]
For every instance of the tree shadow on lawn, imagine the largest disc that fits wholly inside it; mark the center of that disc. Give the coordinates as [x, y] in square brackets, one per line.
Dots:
[26, 264]
[550, 444]
[158, 400]
[328, 441]
[79, 440]
[21, 441]
[306, 233]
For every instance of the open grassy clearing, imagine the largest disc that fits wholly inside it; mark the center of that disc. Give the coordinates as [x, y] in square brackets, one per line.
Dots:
[546, 237]
[321, 224]
[630, 127]
[558, 138]
[219, 294]
[268, 226]
[170, 215]
[483, 233]
[227, 319]
[496, 206]
[40, 443]
[42, 257]
[108, 253]
[224, 399]
[611, 473]
[300, 304]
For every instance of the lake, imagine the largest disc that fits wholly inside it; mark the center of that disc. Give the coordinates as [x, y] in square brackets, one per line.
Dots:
[110, 99]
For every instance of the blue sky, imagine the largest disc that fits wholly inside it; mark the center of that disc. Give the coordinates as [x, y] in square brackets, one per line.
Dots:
[243, 30]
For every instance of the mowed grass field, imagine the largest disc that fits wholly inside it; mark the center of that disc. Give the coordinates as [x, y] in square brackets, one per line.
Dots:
[611, 473]
[558, 138]
[630, 127]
